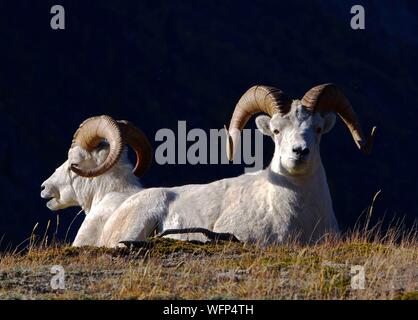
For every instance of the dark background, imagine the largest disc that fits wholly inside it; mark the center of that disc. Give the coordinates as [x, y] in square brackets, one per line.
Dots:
[158, 62]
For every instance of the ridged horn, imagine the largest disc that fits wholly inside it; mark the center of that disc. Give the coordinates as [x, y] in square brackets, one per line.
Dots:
[140, 144]
[90, 134]
[328, 98]
[257, 99]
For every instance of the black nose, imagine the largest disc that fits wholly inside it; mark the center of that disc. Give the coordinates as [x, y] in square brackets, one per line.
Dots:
[301, 152]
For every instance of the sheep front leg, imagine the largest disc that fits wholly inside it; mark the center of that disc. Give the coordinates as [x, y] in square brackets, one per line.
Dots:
[136, 219]
[88, 234]
[128, 227]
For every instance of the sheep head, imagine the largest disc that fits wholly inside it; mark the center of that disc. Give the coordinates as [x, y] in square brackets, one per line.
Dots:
[97, 147]
[296, 126]
[58, 189]
[96, 129]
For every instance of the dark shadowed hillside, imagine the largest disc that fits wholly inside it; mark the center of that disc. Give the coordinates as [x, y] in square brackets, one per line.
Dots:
[158, 62]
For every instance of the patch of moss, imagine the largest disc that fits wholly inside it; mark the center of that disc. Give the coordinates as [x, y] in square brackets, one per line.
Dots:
[356, 249]
[46, 255]
[40, 254]
[333, 279]
[413, 295]
[165, 246]
[70, 251]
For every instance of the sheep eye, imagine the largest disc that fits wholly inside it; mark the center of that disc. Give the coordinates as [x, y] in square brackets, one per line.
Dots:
[318, 130]
[275, 131]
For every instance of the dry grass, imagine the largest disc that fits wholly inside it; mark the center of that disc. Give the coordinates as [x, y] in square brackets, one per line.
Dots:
[170, 269]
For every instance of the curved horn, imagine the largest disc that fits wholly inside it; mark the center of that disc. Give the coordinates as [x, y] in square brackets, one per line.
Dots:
[89, 135]
[328, 98]
[139, 142]
[257, 99]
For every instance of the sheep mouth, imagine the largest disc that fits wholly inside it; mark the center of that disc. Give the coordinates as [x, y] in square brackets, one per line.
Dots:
[52, 203]
[52, 200]
[299, 162]
[295, 166]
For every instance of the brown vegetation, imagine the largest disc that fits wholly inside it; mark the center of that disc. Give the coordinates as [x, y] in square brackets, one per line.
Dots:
[169, 269]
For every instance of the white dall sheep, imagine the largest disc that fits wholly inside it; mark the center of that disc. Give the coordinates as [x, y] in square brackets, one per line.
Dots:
[97, 175]
[289, 198]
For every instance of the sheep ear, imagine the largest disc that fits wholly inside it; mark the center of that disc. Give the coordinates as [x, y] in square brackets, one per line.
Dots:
[101, 153]
[78, 154]
[329, 121]
[263, 124]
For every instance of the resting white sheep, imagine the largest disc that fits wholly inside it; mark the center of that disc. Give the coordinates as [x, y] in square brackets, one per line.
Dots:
[289, 198]
[97, 175]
